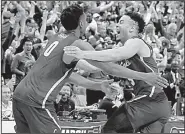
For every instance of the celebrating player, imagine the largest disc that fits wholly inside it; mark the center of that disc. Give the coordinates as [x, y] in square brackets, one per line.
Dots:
[33, 98]
[142, 114]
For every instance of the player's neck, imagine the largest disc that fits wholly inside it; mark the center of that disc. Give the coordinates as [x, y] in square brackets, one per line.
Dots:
[74, 32]
[133, 35]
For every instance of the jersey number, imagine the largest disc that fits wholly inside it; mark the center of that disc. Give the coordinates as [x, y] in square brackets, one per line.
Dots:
[50, 48]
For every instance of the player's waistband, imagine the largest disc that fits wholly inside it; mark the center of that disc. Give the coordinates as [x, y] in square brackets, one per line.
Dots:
[49, 106]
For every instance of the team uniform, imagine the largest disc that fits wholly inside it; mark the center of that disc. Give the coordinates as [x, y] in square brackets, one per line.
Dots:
[33, 99]
[149, 111]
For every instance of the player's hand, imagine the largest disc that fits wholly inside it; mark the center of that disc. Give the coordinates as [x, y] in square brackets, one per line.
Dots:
[74, 51]
[156, 80]
[105, 86]
[117, 103]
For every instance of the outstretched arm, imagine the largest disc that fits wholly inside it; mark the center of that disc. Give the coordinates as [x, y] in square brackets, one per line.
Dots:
[80, 80]
[123, 72]
[84, 65]
[111, 55]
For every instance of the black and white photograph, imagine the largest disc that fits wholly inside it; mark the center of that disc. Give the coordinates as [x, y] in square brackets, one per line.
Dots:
[92, 67]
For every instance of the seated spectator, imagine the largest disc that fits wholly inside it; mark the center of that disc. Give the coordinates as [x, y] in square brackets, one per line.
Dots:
[110, 102]
[64, 104]
[23, 62]
[79, 96]
[6, 103]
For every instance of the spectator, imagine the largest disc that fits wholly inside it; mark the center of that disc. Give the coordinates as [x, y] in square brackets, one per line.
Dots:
[64, 105]
[110, 102]
[173, 78]
[79, 96]
[93, 25]
[6, 103]
[23, 62]
[9, 55]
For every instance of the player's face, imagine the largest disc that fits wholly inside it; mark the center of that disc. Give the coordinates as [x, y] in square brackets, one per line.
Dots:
[83, 23]
[28, 46]
[6, 94]
[124, 27]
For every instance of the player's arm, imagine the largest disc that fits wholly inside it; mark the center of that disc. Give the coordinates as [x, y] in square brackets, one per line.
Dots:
[120, 71]
[82, 64]
[130, 48]
[81, 81]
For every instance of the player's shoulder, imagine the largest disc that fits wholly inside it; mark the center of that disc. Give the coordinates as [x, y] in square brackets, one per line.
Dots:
[82, 45]
[55, 37]
[134, 41]
[78, 42]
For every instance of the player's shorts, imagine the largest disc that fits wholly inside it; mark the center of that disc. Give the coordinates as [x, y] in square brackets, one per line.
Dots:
[34, 120]
[143, 114]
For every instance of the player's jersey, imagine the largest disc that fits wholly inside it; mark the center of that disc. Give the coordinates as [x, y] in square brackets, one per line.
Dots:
[44, 81]
[143, 64]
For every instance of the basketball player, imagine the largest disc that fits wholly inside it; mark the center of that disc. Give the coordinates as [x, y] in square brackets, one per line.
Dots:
[150, 111]
[33, 99]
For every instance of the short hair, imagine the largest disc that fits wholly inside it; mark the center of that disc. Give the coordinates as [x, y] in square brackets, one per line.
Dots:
[70, 17]
[27, 39]
[137, 18]
[68, 84]
[5, 86]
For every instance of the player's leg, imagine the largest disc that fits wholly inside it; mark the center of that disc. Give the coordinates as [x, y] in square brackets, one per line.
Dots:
[118, 122]
[149, 110]
[42, 120]
[21, 123]
[139, 113]
[156, 127]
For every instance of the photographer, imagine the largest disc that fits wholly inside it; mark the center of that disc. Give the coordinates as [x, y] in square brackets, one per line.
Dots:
[64, 104]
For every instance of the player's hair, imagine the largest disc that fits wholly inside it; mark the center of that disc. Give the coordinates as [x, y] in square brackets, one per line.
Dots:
[70, 17]
[137, 18]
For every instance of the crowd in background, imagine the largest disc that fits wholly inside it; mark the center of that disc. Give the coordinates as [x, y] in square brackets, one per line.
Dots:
[28, 25]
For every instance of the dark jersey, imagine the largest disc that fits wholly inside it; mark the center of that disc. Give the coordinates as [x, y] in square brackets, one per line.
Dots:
[44, 81]
[143, 64]
[68, 106]
[107, 104]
